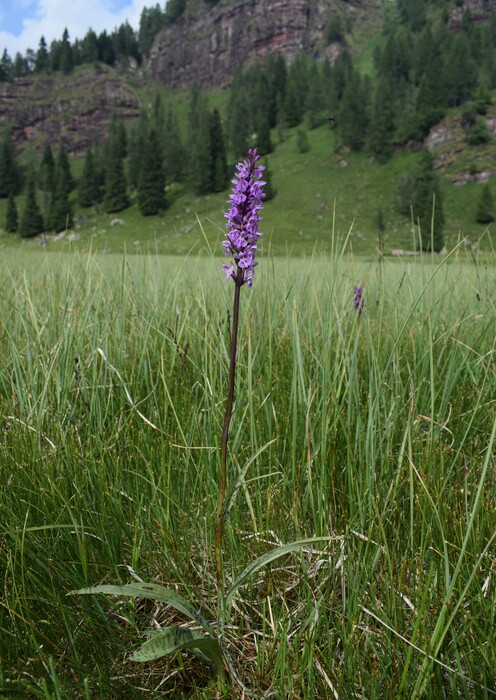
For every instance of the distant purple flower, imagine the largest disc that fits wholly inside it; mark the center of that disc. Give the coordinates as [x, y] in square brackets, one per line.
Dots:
[358, 300]
[243, 218]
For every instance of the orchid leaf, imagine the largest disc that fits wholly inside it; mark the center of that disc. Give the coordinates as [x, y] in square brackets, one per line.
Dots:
[155, 592]
[270, 556]
[172, 639]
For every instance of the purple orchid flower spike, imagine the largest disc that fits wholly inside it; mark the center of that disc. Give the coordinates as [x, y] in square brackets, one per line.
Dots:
[358, 300]
[243, 219]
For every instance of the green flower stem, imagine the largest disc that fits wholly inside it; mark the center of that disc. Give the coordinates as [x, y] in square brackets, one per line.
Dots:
[219, 529]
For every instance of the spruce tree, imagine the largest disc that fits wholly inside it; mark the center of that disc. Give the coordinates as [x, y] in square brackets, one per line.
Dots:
[200, 162]
[118, 135]
[381, 125]
[31, 223]
[485, 207]
[262, 129]
[200, 159]
[173, 148]
[151, 180]
[353, 113]
[66, 59]
[6, 68]
[218, 158]
[62, 165]
[238, 125]
[10, 177]
[315, 98]
[89, 188]
[47, 170]
[42, 60]
[136, 143]
[60, 216]
[116, 198]
[12, 217]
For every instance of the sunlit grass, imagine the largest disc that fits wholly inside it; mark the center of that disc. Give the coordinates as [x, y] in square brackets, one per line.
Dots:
[377, 427]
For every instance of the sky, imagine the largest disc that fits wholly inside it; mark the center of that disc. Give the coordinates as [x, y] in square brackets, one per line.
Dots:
[24, 22]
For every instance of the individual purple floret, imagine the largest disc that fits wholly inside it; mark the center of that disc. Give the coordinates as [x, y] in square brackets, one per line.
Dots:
[243, 218]
[358, 300]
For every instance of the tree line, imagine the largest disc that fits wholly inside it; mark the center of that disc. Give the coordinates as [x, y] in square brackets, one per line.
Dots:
[420, 70]
[140, 163]
[122, 45]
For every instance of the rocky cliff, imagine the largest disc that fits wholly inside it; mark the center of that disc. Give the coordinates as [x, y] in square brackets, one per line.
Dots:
[208, 46]
[479, 9]
[75, 109]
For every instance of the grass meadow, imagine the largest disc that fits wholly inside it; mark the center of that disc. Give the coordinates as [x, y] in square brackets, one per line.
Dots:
[376, 428]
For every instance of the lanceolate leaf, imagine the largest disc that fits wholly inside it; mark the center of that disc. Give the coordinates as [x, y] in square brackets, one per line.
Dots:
[266, 558]
[155, 592]
[172, 639]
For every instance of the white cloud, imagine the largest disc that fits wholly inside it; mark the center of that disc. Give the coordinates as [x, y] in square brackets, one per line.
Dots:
[49, 18]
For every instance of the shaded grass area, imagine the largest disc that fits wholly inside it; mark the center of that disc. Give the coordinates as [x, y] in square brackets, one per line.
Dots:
[378, 427]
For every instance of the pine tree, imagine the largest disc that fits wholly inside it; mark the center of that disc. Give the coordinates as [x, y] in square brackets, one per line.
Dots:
[89, 187]
[276, 82]
[12, 217]
[60, 215]
[262, 129]
[459, 75]
[42, 60]
[6, 68]
[10, 177]
[427, 205]
[118, 135]
[485, 207]
[315, 98]
[218, 158]
[200, 161]
[47, 170]
[152, 19]
[90, 51]
[173, 148]
[66, 59]
[238, 125]
[151, 181]
[63, 166]
[294, 107]
[353, 113]
[31, 223]
[116, 198]
[381, 126]
[136, 143]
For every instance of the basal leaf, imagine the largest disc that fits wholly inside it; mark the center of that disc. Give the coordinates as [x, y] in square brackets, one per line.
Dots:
[155, 592]
[172, 639]
[266, 558]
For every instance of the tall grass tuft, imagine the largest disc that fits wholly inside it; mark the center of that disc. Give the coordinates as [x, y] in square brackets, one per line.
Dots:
[377, 429]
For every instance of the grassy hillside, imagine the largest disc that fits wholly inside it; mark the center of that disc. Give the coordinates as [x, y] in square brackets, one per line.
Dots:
[316, 192]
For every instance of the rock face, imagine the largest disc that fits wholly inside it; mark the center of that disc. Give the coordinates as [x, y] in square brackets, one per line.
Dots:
[75, 109]
[209, 46]
[479, 9]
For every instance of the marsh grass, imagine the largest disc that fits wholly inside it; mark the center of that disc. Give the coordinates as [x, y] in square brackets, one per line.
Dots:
[376, 427]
